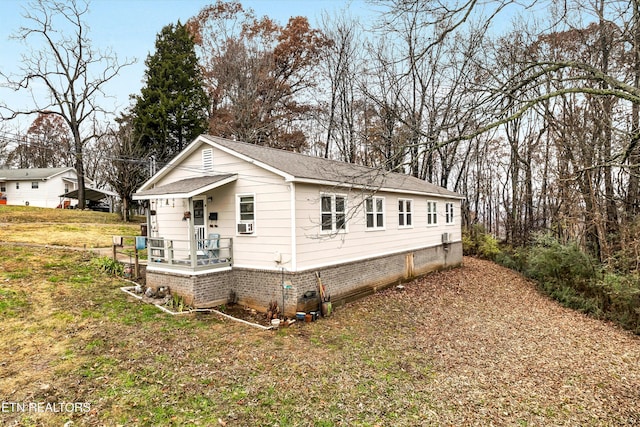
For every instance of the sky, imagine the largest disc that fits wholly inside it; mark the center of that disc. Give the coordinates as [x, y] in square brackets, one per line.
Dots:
[129, 29]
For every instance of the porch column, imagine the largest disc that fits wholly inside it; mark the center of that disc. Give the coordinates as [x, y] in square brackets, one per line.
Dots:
[193, 247]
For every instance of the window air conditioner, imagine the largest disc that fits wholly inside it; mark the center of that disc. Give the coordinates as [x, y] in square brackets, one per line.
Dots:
[245, 228]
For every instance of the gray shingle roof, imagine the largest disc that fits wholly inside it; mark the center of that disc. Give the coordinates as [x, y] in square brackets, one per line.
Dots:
[30, 174]
[184, 186]
[310, 168]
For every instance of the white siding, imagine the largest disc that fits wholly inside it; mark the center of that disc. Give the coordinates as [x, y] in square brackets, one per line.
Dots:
[45, 196]
[273, 222]
[272, 210]
[316, 249]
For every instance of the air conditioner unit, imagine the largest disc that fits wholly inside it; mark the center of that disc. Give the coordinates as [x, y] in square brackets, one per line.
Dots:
[446, 237]
[245, 228]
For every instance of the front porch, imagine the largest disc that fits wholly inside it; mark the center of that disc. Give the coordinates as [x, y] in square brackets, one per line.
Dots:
[211, 253]
[184, 230]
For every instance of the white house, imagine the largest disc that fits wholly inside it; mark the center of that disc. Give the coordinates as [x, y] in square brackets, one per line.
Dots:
[49, 188]
[40, 187]
[231, 220]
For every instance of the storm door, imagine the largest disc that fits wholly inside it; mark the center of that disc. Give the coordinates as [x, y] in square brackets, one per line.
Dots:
[198, 222]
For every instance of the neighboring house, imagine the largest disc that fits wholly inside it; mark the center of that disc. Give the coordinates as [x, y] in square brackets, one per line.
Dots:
[235, 221]
[40, 187]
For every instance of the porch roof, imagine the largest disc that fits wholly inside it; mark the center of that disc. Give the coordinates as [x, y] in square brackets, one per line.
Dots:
[186, 188]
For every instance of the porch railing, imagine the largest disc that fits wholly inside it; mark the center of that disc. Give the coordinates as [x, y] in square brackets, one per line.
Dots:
[201, 254]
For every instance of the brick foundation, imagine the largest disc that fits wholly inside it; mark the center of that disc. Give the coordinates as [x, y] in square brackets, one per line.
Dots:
[344, 282]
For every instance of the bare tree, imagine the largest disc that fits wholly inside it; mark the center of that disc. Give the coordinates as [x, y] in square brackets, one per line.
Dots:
[125, 165]
[73, 73]
[340, 66]
[47, 144]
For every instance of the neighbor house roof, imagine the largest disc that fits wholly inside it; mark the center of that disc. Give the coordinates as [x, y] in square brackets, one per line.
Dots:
[39, 174]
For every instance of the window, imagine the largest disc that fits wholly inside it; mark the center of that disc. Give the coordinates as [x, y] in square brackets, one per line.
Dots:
[34, 185]
[333, 213]
[207, 159]
[374, 210]
[66, 188]
[17, 185]
[3, 187]
[432, 213]
[449, 213]
[246, 208]
[404, 213]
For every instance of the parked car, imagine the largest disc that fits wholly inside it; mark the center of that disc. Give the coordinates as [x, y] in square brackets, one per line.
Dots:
[99, 206]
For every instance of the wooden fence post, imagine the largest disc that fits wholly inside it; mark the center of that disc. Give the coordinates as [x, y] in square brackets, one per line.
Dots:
[137, 264]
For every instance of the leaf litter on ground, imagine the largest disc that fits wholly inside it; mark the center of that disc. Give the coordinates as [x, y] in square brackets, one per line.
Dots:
[476, 345]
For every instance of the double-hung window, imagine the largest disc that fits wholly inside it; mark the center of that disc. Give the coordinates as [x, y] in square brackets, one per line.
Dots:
[333, 213]
[448, 213]
[374, 211]
[246, 213]
[246, 208]
[404, 213]
[432, 213]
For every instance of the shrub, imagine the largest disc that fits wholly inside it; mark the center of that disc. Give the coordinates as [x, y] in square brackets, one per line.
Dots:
[108, 265]
[620, 299]
[514, 259]
[571, 277]
[468, 245]
[563, 264]
[477, 242]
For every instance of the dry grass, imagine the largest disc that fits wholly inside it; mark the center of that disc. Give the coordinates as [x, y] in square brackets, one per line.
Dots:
[62, 227]
[71, 235]
[29, 214]
[472, 346]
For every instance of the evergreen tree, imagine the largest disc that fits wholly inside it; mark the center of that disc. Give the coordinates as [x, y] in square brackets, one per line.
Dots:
[172, 108]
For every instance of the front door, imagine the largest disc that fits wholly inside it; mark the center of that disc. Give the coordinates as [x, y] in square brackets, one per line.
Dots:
[198, 222]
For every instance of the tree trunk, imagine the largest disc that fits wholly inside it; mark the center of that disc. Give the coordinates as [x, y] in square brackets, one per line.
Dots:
[79, 164]
[632, 201]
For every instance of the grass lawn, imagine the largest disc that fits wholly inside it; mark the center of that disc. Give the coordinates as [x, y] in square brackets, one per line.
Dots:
[62, 227]
[476, 345]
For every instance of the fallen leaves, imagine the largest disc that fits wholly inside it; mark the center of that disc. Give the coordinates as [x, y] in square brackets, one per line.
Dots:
[503, 353]
[477, 345]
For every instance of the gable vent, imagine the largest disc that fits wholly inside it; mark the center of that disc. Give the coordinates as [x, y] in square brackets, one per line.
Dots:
[207, 159]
